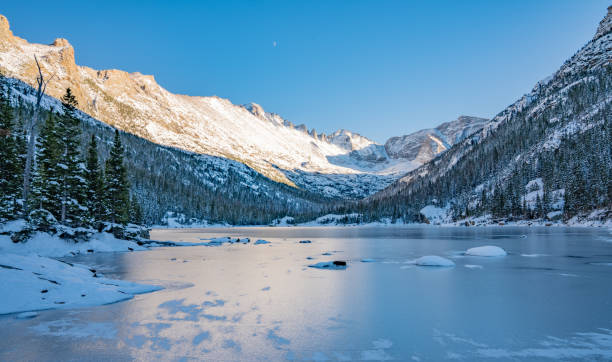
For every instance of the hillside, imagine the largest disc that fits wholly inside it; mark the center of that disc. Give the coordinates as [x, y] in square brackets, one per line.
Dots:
[548, 155]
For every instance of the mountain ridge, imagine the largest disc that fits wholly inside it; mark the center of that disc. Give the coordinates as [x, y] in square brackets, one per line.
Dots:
[343, 164]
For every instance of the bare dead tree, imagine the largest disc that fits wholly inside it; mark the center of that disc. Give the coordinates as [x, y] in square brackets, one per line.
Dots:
[31, 130]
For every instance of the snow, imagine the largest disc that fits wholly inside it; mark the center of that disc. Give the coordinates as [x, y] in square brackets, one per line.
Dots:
[32, 282]
[335, 265]
[12, 226]
[284, 221]
[436, 215]
[44, 244]
[434, 260]
[488, 251]
[334, 219]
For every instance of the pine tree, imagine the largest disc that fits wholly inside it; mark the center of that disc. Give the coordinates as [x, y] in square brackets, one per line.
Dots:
[575, 194]
[116, 184]
[93, 179]
[135, 211]
[11, 169]
[45, 193]
[72, 183]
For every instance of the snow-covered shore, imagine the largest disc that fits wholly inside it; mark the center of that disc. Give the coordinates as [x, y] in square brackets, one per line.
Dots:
[479, 222]
[31, 279]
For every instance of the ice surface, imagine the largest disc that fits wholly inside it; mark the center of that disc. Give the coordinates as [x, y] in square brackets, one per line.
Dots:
[218, 305]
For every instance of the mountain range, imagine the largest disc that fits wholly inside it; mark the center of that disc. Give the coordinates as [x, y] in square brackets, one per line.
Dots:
[341, 165]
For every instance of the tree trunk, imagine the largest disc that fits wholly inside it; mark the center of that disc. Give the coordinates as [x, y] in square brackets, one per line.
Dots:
[63, 219]
[27, 174]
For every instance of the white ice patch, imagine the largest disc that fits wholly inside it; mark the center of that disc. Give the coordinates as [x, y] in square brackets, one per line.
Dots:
[488, 251]
[434, 260]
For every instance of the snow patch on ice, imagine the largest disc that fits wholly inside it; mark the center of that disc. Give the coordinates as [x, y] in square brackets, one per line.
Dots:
[31, 282]
[488, 251]
[433, 260]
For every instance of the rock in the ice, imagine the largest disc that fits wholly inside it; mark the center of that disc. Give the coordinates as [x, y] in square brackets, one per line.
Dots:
[336, 264]
[260, 241]
[488, 250]
[305, 241]
[433, 260]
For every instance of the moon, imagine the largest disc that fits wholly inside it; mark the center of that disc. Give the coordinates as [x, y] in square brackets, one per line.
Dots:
[274, 43]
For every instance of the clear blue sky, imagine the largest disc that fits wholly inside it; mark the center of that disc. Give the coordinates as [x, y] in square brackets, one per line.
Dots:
[381, 68]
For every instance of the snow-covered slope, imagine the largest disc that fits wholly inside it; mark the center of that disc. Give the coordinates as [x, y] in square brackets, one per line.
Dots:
[135, 103]
[343, 164]
[426, 144]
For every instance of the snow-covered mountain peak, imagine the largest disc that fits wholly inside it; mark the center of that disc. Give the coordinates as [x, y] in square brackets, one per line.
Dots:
[426, 144]
[605, 26]
[256, 109]
[350, 141]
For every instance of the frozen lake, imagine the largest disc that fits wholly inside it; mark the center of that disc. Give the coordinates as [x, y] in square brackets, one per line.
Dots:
[550, 297]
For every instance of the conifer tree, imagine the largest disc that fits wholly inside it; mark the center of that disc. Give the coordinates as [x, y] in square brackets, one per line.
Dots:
[135, 211]
[45, 192]
[11, 170]
[93, 179]
[72, 183]
[116, 184]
